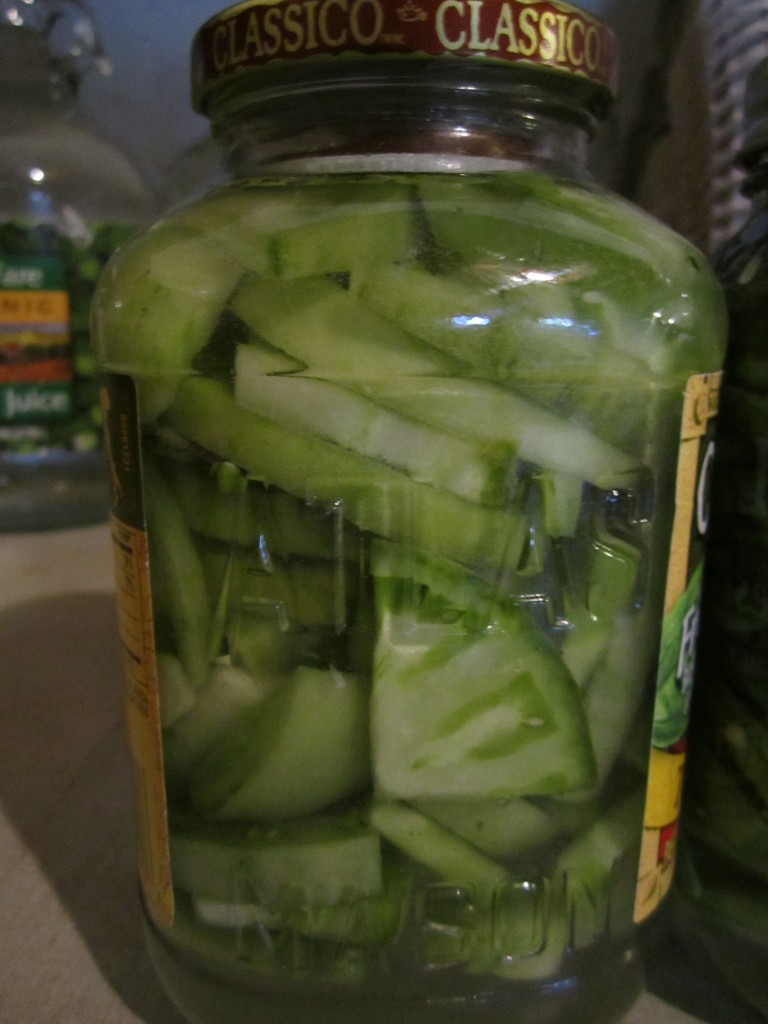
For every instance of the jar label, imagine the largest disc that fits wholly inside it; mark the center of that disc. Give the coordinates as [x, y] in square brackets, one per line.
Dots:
[549, 34]
[48, 380]
[130, 548]
[678, 643]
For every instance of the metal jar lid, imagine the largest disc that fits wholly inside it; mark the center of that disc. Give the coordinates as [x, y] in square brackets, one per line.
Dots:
[543, 34]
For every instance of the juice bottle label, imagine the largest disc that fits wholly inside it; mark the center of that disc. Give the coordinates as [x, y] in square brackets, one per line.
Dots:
[48, 377]
[678, 643]
[35, 363]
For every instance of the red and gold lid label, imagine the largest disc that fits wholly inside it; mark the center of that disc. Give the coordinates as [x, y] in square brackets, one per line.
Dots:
[259, 32]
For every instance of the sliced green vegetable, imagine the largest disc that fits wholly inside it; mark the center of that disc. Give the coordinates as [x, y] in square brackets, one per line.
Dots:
[177, 695]
[325, 861]
[227, 695]
[617, 687]
[448, 856]
[460, 711]
[599, 868]
[346, 239]
[492, 414]
[302, 749]
[327, 330]
[500, 828]
[584, 645]
[252, 514]
[158, 307]
[612, 576]
[325, 409]
[178, 583]
[259, 584]
[374, 497]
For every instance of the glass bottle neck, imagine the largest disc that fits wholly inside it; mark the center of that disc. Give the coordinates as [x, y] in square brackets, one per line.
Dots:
[409, 118]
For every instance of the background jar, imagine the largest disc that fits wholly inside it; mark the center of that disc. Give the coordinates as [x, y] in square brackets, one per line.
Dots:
[68, 198]
[724, 874]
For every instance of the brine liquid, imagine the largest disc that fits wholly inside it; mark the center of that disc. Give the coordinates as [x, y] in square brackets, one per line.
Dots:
[288, 582]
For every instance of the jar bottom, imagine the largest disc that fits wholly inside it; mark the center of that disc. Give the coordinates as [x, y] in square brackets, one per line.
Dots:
[605, 988]
[54, 491]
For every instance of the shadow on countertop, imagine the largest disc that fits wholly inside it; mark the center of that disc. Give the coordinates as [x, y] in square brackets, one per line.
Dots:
[65, 780]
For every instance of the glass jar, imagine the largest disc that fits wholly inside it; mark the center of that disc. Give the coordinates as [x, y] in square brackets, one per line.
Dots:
[399, 421]
[67, 199]
[197, 169]
[724, 883]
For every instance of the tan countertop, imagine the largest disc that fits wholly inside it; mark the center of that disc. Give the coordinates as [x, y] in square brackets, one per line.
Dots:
[70, 947]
